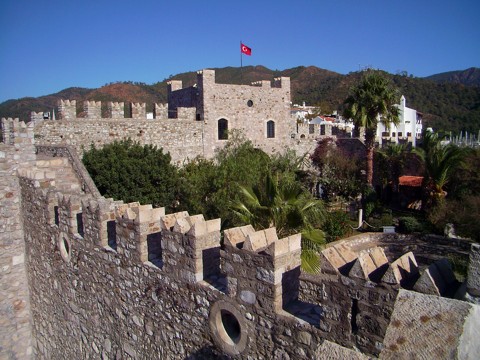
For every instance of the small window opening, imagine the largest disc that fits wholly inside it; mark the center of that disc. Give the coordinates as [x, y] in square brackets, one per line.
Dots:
[353, 320]
[223, 129]
[322, 129]
[154, 247]
[231, 326]
[311, 128]
[270, 129]
[80, 224]
[249, 103]
[56, 215]
[112, 234]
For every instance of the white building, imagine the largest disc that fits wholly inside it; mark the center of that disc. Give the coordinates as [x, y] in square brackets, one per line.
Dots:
[409, 127]
[299, 112]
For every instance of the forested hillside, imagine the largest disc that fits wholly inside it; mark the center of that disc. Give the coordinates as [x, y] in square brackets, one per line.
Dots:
[444, 99]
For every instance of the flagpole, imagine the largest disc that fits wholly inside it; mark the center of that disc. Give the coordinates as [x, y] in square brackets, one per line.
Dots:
[241, 64]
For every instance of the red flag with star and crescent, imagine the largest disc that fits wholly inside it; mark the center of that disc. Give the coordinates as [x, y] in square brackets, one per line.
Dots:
[245, 49]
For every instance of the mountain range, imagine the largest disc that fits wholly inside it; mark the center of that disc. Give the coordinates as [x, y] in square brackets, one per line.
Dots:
[449, 101]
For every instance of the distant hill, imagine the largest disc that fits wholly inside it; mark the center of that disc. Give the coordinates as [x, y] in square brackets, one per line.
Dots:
[469, 77]
[449, 101]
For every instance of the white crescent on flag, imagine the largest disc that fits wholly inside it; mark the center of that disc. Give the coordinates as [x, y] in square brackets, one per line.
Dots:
[245, 49]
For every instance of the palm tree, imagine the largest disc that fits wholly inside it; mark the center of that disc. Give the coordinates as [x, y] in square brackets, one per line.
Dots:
[441, 162]
[371, 101]
[290, 210]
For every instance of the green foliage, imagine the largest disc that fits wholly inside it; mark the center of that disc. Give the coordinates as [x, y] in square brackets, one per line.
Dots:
[392, 161]
[371, 99]
[196, 188]
[130, 172]
[409, 224]
[238, 163]
[288, 208]
[336, 225]
[459, 266]
[465, 180]
[339, 174]
[462, 213]
[440, 162]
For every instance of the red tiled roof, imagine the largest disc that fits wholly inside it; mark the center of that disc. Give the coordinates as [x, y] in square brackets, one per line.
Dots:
[415, 181]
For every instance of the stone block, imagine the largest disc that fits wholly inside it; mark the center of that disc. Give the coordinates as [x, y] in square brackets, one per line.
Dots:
[363, 266]
[378, 256]
[237, 235]
[473, 277]
[345, 252]
[426, 284]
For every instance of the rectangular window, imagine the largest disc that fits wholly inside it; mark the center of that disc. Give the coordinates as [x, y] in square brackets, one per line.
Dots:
[322, 129]
[270, 129]
[154, 247]
[56, 214]
[112, 234]
[311, 129]
[80, 224]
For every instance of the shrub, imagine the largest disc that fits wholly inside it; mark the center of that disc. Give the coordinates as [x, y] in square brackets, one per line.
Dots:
[409, 224]
[336, 225]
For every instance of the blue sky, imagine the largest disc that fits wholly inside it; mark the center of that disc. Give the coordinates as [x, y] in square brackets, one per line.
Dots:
[49, 45]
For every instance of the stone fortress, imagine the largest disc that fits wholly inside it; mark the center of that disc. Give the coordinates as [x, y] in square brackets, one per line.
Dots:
[89, 277]
[195, 122]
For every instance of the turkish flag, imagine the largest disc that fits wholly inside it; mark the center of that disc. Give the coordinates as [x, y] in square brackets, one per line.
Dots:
[245, 50]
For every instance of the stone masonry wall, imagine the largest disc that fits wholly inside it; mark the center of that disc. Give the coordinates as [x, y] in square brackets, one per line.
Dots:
[247, 108]
[142, 302]
[183, 139]
[353, 312]
[15, 320]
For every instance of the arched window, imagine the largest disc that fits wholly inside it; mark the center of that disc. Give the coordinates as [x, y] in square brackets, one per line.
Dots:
[270, 129]
[223, 129]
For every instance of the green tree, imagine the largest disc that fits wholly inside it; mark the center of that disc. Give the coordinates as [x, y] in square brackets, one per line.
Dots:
[440, 162]
[372, 100]
[197, 187]
[394, 157]
[339, 173]
[288, 208]
[238, 163]
[130, 172]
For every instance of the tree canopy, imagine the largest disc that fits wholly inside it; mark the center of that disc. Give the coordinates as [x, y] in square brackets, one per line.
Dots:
[128, 171]
[369, 102]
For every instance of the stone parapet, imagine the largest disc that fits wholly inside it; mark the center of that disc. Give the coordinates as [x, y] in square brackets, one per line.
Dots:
[92, 109]
[138, 110]
[116, 110]
[67, 109]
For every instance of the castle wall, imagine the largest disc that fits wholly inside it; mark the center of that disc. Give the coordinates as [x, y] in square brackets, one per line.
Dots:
[15, 320]
[427, 248]
[92, 300]
[353, 312]
[182, 139]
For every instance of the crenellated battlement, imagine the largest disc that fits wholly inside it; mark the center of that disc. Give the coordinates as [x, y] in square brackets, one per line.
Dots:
[67, 109]
[138, 110]
[92, 109]
[116, 109]
[36, 116]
